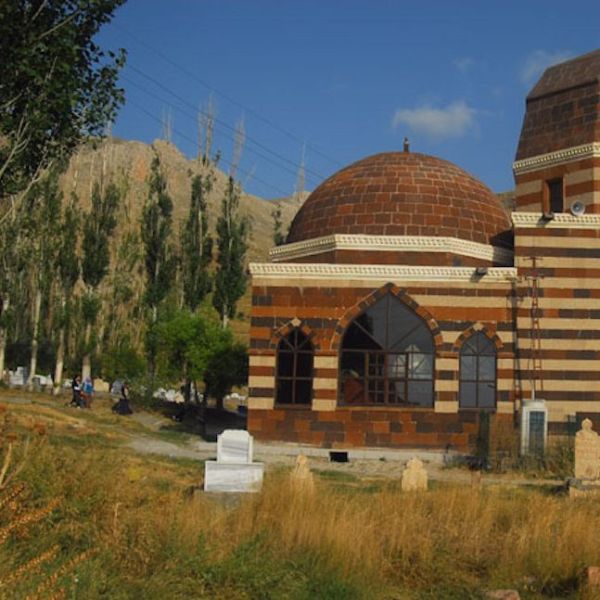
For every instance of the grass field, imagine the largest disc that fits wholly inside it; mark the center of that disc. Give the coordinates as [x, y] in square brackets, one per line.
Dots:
[87, 518]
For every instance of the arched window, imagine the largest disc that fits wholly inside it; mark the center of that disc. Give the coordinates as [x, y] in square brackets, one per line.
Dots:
[478, 372]
[294, 369]
[387, 356]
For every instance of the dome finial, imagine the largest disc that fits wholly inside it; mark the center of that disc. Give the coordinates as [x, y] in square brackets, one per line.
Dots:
[406, 146]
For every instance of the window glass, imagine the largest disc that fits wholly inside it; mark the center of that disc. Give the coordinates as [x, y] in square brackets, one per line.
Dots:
[468, 367]
[555, 195]
[304, 364]
[468, 394]
[405, 353]
[478, 372]
[285, 364]
[295, 358]
[487, 368]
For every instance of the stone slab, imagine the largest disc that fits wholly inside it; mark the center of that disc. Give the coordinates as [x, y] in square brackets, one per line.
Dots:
[587, 452]
[234, 446]
[228, 477]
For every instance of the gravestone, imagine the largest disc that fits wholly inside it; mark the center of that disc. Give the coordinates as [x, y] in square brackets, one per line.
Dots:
[587, 452]
[233, 471]
[301, 477]
[234, 446]
[414, 477]
[587, 463]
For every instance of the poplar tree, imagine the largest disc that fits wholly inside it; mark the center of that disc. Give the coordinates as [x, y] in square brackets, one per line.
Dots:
[98, 228]
[231, 277]
[159, 256]
[42, 205]
[196, 245]
[278, 235]
[67, 270]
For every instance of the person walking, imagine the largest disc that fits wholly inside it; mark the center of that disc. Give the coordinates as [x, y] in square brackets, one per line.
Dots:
[76, 391]
[87, 392]
[122, 406]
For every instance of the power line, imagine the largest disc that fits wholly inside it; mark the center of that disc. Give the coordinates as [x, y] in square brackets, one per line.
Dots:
[189, 139]
[316, 177]
[249, 110]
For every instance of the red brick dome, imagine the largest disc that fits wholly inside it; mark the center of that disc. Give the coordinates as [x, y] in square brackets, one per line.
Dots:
[403, 193]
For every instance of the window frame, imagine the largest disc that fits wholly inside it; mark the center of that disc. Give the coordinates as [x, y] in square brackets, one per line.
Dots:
[294, 349]
[384, 383]
[477, 380]
[547, 199]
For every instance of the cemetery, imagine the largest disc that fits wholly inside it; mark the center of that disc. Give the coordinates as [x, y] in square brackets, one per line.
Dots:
[386, 388]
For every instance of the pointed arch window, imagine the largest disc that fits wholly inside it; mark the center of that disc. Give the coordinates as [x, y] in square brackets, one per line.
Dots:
[295, 357]
[478, 372]
[387, 357]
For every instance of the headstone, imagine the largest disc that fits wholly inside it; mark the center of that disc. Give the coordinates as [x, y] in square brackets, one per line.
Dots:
[229, 477]
[592, 577]
[234, 446]
[503, 595]
[101, 386]
[301, 476]
[233, 471]
[414, 477]
[587, 452]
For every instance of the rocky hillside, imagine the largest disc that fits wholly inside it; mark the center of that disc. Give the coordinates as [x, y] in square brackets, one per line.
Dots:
[127, 163]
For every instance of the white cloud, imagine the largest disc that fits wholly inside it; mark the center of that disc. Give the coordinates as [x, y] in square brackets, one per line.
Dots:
[538, 61]
[464, 64]
[455, 120]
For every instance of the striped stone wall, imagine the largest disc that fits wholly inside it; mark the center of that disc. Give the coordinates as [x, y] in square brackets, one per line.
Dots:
[568, 260]
[581, 183]
[324, 308]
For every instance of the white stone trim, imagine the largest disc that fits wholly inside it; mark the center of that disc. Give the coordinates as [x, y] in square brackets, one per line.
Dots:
[559, 157]
[388, 242]
[561, 220]
[393, 273]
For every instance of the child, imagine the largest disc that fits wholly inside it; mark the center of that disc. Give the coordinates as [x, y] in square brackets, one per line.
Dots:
[87, 392]
[76, 389]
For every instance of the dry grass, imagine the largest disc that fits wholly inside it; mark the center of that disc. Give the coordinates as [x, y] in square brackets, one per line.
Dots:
[128, 527]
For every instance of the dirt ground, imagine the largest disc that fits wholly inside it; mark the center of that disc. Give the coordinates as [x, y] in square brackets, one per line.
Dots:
[155, 432]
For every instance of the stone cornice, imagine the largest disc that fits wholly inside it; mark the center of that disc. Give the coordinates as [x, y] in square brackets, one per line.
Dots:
[394, 273]
[560, 220]
[542, 161]
[399, 243]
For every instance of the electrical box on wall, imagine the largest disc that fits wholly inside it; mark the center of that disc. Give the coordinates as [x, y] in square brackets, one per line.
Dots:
[534, 427]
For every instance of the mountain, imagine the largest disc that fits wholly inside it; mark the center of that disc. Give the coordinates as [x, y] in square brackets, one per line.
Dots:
[127, 163]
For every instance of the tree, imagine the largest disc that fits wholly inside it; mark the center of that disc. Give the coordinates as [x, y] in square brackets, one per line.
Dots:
[13, 264]
[195, 347]
[159, 255]
[67, 270]
[278, 235]
[42, 228]
[57, 86]
[196, 245]
[228, 366]
[231, 277]
[98, 228]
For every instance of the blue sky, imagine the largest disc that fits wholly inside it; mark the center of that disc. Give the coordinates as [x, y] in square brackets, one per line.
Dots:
[344, 78]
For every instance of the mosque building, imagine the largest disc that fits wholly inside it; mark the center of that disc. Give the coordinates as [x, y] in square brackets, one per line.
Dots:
[409, 306]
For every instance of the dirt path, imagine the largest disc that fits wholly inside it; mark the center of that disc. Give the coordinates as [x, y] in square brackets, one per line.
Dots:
[144, 432]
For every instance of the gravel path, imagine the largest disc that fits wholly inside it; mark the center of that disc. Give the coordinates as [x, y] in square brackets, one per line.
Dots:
[376, 463]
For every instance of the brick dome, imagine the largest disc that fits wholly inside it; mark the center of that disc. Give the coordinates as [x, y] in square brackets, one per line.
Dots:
[403, 193]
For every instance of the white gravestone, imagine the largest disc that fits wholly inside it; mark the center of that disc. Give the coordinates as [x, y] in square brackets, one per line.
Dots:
[587, 452]
[233, 471]
[414, 477]
[234, 446]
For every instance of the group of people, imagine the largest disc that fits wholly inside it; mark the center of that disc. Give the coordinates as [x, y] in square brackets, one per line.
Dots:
[83, 394]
